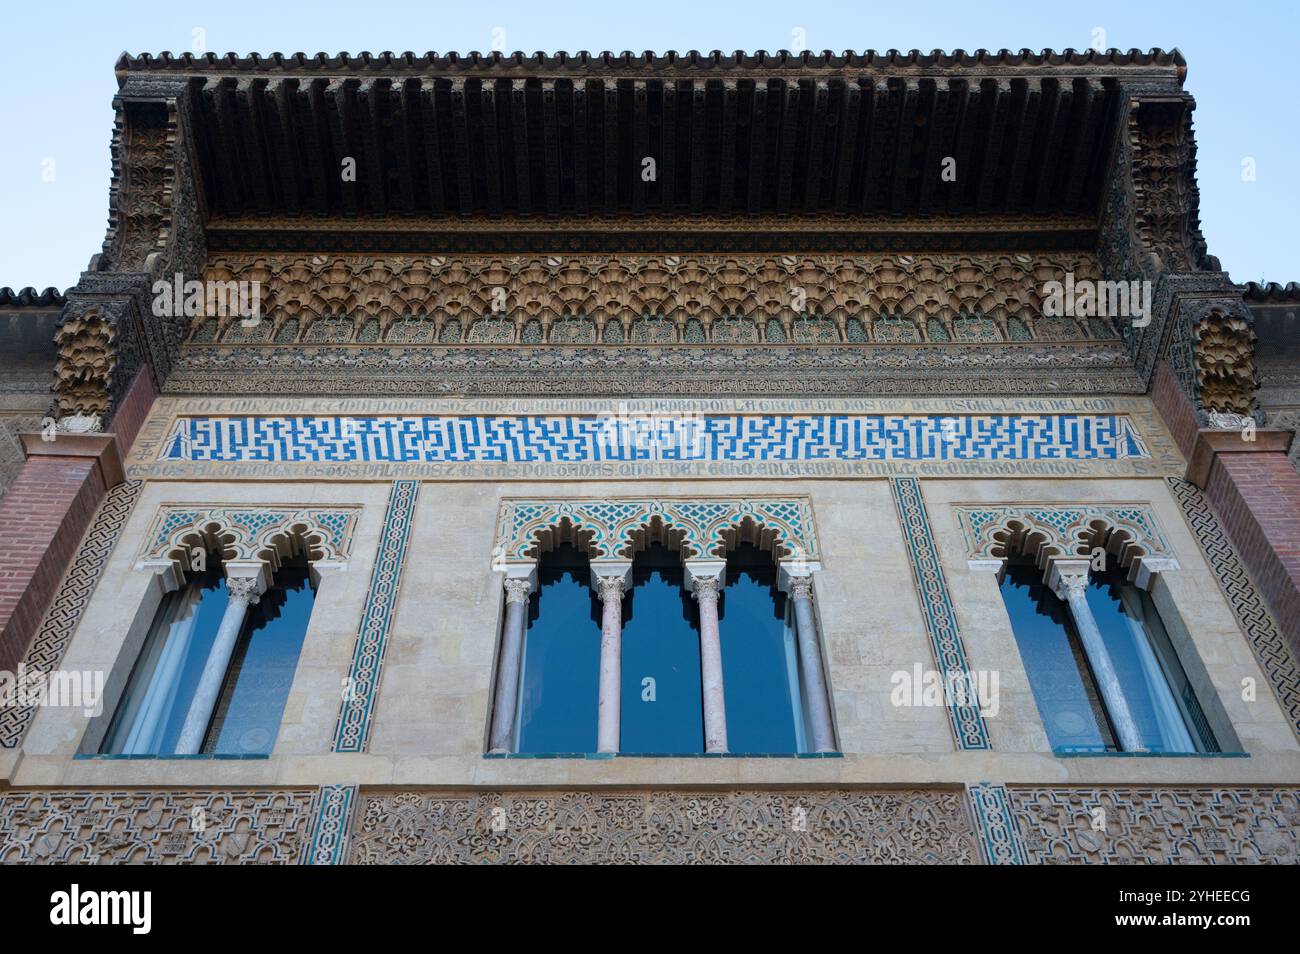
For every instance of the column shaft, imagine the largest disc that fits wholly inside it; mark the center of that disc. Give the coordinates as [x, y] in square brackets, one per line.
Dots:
[512, 647]
[810, 660]
[715, 704]
[243, 593]
[609, 712]
[1103, 666]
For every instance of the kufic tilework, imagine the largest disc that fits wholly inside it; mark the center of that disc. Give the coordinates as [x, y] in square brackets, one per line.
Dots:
[535, 438]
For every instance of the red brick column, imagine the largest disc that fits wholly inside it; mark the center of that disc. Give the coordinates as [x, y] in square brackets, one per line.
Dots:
[47, 509]
[42, 519]
[1257, 495]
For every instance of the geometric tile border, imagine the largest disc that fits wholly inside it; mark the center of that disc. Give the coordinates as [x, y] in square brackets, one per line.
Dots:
[51, 641]
[229, 826]
[964, 715]
[362, 688]
[709, 524]
[333, 820]
[1257, 624]
[1151, 825]
[999, 833]
[747, 826]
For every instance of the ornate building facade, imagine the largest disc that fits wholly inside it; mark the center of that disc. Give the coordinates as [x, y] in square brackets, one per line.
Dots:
[754, 458]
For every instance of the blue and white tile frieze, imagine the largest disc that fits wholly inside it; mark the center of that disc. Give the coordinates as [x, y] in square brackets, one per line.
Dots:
[575, 438]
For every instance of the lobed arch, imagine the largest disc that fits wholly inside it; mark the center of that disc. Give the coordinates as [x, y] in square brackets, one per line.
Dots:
[617, 529]
[1049, 534]
[266, 535]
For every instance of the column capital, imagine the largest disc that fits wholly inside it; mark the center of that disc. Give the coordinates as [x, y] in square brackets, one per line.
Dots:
[794, 577]
[520, 579]
[704, 577]
[611, 578]
[517, 589]
[1068, 576]
[247, 580]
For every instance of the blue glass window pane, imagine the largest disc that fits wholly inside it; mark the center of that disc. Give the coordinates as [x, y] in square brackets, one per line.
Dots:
[661, 642]
[1058, 673]
[560, 683]
[188, 618]
[248, 713]
[1146, 665]
[755, 665]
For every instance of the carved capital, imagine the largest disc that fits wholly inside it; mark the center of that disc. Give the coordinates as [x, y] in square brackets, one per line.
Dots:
[517, 590]
[704, 577]
[1068, 578]
[244, 589]
[610, 588]
[801, 587]
[706, 589]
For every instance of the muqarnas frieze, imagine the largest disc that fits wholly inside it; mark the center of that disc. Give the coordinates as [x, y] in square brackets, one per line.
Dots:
[640, 300]
[1064, 825]
[156, 827]
[682, 827]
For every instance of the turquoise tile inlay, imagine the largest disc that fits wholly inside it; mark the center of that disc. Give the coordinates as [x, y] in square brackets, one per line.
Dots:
[967, 722]
[329, 836]
[362, 688]
[997, 826]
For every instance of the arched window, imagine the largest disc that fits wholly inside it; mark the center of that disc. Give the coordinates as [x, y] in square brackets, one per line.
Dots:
[760, 657]
[662, 705]
[561, 658]
[1103, 670]
[215, 668]
[658, 655]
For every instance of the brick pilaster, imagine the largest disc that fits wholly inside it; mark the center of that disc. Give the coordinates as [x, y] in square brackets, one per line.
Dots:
[47, 509]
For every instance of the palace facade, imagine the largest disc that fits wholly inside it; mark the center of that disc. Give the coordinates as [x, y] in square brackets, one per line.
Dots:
[751, 458]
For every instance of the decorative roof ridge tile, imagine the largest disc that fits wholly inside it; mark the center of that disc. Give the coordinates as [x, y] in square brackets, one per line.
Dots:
[1272, 291]
[30, 297]
[714, 61]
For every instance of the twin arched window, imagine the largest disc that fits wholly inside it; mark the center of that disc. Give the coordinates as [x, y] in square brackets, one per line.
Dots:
[1103, 670]
[213, 675]
[660, 687]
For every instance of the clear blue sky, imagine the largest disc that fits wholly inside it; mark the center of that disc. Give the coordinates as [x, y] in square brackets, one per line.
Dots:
[58, 84]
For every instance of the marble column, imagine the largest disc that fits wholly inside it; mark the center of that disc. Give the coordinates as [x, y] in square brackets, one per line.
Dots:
[611, 581]
[1068, 579]
[705, 578]
[519, 583]
[799, 587]
[245, 584]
